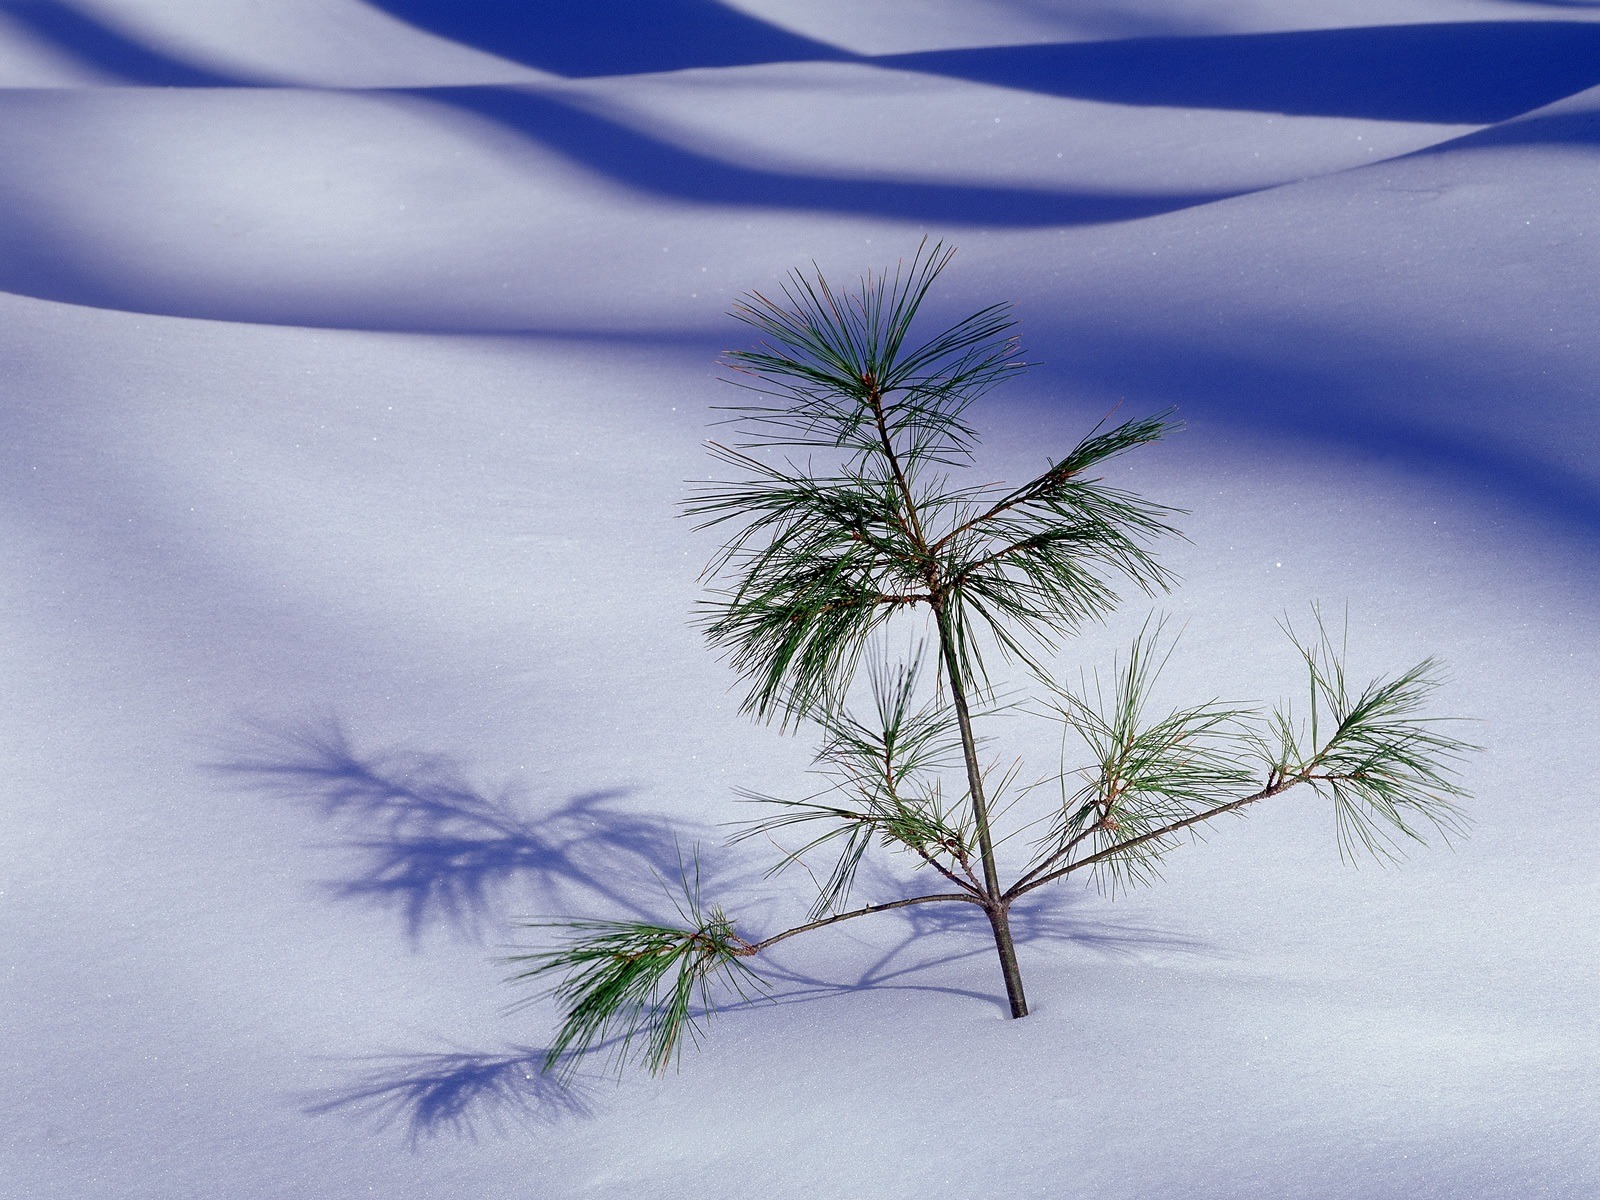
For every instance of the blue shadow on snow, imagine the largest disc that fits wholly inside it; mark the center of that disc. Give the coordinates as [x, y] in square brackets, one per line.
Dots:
[1557, 129]
[82, 36]
[443, 854]
[650, 164]
[456, 1092]
[1463, 73]
[1317, 399]
[1458, 73]
[585, 38]
[1451, 73]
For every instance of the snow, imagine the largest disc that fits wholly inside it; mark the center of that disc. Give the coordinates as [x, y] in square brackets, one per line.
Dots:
[355, 357]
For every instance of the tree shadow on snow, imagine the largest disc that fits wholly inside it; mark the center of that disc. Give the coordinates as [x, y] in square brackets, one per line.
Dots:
[1576, 129]
[462, 1093]
[457, 1093]
[1458, 73]
[445, 855]
[1321, 389]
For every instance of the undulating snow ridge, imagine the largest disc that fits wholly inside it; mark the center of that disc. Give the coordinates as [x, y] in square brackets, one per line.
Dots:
[354, 356]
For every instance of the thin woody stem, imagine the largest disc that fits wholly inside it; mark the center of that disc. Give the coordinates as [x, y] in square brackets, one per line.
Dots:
[965, 859]
[1021, 495]
[756, 947]
[1025, 885]
[946, 871]
[980, 807]
[1105, 807]
[913, 521]
[920, 852]
[1028, 877]
[994, 903]
[993, 557]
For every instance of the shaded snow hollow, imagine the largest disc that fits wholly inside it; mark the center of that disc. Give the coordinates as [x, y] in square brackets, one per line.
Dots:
[354, 357]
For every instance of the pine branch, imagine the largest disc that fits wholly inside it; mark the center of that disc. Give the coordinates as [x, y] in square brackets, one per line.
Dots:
[1388, 769]
[827, 351]
[1145, 839]
[622, 982]
[1056, 483]
[876, 765]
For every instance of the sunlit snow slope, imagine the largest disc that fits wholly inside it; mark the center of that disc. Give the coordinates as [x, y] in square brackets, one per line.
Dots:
[354, 355]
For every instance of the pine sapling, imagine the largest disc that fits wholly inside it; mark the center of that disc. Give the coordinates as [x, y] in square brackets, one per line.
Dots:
[847, 515]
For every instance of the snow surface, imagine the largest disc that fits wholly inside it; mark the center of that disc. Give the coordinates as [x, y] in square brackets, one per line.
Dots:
[354, 357]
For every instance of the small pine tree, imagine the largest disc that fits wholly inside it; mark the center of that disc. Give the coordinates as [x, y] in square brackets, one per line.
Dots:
[822, 559]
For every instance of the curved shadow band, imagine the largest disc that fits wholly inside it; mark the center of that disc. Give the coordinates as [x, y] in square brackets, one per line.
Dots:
[586, 38]
[1449, 73]
[650, 164]
[1466, 73]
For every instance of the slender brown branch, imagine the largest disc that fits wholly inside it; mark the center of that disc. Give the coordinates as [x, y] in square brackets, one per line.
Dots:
[965, 859]
[913, 523]
[989, 895]
[1105, 806]
[756, 947]
[1028, 491]
[888, 598]
[960, 576]
[894, 794]
[1055, 857]
[980, 808]
[1023, 886]
[944, 870]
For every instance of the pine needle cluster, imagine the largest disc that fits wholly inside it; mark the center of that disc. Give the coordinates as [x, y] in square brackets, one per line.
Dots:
[637, 988]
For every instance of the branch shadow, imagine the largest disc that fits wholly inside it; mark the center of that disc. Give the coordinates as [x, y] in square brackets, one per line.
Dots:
[1046, 918]
[446, 855]
[457, 1093]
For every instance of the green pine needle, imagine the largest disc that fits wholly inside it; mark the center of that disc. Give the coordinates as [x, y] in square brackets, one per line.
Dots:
[1390, 771]
[1148, 773]
[883, 773]
[819, 560]
[637, 988]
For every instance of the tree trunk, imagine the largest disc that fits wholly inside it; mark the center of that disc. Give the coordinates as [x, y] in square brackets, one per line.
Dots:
[999, 918]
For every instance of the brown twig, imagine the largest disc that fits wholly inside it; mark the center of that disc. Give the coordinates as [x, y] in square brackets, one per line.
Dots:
[757, 947]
